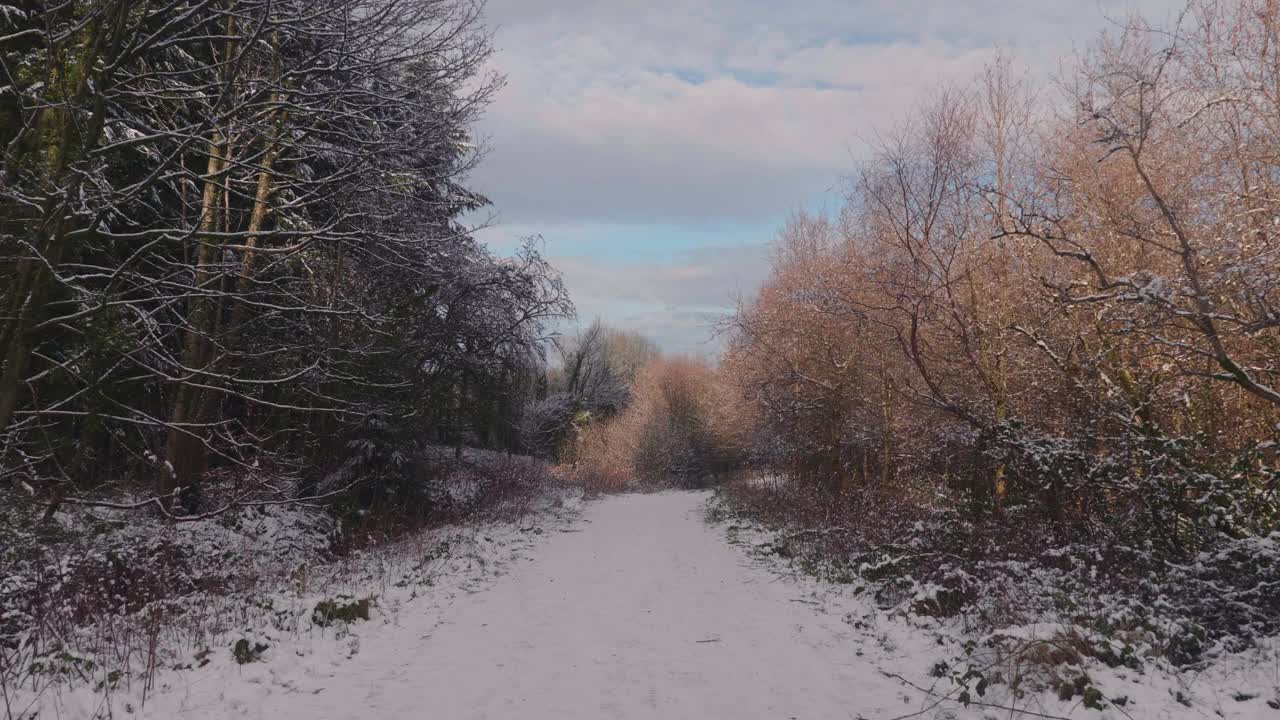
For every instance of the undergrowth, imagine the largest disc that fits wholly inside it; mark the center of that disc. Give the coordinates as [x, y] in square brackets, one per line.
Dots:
[110, 599]
[1127, 600]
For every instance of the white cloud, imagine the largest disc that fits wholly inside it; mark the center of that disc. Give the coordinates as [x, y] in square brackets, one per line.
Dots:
[685, 111]
[708, 277]
[617, 110]
[677, 303]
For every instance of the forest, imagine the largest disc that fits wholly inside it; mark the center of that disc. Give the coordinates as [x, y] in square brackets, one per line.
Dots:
[1029, 369]
[232, 250]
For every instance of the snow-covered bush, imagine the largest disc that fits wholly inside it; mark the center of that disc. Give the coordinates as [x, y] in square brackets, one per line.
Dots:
[546, 423]
[1175, 492]
[388, 483]
[1021, 568]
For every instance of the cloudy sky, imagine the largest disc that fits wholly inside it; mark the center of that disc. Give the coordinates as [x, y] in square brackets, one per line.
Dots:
[657, 145]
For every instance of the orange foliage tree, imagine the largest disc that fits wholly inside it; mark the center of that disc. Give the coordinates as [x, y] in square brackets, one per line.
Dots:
[668, 434]
[1074, 313]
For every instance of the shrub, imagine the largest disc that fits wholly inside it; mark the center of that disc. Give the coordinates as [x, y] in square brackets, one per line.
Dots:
[343, 608]
[668, 435]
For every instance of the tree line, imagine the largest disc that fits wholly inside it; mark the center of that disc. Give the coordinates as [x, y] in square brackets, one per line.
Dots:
[232, 252]
[1062, 309]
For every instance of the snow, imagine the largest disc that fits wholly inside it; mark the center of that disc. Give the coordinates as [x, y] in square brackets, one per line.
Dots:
[636, 607]
[640, 610]
[11, 14]
[98, 677]
[767, 481]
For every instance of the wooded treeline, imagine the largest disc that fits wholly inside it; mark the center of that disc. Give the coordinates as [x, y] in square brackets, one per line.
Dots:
[231, 250]
[591, 382]
[1066, 311]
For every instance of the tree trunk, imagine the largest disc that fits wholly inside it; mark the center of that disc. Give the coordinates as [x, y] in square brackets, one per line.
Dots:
[184, 449]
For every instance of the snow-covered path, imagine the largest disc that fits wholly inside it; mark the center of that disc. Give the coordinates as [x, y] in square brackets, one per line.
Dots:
[641, 611]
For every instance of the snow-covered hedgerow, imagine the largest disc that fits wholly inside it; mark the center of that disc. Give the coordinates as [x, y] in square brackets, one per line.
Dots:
[1027, 606]
[102, 607]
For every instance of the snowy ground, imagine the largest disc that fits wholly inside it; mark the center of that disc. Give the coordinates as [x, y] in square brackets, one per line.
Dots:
[108, 669]
[637, 609]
